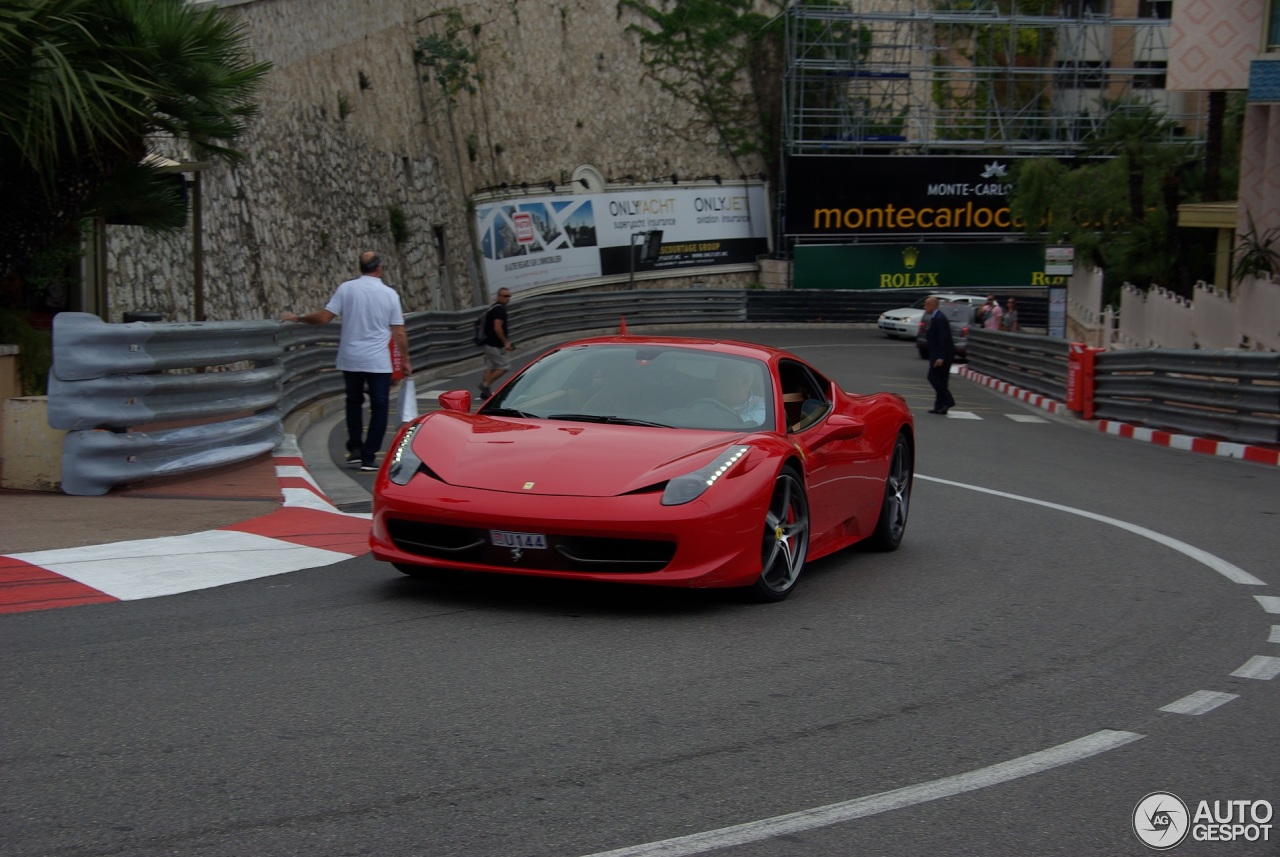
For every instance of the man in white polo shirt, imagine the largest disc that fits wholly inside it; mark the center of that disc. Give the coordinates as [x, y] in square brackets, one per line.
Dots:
[371, 317]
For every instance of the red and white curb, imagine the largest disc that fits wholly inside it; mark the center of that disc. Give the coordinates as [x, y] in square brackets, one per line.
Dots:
[1037, 400]
[1172, 440]
[306, 532]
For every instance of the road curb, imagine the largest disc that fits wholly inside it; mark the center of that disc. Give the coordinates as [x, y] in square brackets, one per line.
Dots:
[1172, 440]
[307, 531]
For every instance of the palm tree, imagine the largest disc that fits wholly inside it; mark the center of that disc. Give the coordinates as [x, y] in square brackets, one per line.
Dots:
[86, 86]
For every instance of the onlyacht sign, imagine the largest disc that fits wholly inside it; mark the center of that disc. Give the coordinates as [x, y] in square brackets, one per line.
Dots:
[531, 240]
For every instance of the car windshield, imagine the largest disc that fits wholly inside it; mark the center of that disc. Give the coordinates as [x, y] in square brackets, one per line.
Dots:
[653, 385]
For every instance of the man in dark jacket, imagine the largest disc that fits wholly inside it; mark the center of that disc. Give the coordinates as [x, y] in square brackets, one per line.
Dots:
[942, 352]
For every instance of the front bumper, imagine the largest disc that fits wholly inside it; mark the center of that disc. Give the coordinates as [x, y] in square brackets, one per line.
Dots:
[711, 542]
[897, 328]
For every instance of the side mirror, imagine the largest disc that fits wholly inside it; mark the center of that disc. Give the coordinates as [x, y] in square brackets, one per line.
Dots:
[456, 400]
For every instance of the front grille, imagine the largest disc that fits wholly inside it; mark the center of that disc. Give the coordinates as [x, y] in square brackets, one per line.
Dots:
[592, 554]
[604, 554]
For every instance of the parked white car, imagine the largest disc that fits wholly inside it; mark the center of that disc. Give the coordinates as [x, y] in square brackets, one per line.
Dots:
[903, 323]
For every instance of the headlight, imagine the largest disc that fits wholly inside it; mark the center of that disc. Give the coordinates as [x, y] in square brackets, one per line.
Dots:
[684, 489]
[404, 463]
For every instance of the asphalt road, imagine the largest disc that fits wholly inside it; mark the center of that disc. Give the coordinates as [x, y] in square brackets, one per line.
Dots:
[996, 686]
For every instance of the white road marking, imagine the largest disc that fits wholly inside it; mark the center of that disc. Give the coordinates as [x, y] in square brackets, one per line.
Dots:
[1261, 667]
[146, 568]
[1270, 603]
[962, 415]
[306, 499]
[1275, 634]
[1200, 702]
[1026, 418]
[836, 813]
[1232, 572]
[292, 471]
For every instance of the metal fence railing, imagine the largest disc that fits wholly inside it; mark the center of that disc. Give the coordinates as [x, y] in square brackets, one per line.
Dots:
[1233, 395]
[1036, 363]
[108, 380]
[144, 400]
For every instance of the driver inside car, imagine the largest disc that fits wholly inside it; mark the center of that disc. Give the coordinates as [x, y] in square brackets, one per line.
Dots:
[733, 389]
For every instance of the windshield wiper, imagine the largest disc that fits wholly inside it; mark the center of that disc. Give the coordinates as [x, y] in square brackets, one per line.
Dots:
[510, 412]
[605, 418]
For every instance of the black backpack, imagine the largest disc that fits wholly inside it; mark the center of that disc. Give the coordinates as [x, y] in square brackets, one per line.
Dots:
[481, 334]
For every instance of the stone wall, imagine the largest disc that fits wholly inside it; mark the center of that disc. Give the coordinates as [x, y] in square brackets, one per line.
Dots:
[350, 138]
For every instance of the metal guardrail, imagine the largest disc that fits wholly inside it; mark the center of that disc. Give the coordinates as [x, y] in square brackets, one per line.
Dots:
[1227, 394]
[87, 347]
[1233, 395]
[107, 379]
[1036, 363]
[111, 383]
[95, 461]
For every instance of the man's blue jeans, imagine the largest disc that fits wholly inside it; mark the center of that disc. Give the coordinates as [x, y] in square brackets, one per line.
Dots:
[379, 387]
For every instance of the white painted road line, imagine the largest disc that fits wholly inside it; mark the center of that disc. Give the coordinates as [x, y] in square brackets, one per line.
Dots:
[1270, 603]
[1233, 573]
[1200, 702]
[1027, 418]
[146, 568]
[825, 816]
[1275, 634]
[1263, 667]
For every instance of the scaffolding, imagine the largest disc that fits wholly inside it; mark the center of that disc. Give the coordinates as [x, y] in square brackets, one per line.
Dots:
[1032, 77]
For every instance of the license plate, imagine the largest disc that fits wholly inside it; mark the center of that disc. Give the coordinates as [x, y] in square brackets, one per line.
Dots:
[525, 541]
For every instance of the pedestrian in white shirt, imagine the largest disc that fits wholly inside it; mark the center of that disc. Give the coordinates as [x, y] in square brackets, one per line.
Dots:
[371, 317]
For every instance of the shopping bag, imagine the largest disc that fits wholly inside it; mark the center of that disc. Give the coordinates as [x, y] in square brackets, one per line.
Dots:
[408, 401]
[397, 360]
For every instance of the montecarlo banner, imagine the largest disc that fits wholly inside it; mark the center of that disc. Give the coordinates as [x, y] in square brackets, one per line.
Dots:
[913, 196]
[538, 240]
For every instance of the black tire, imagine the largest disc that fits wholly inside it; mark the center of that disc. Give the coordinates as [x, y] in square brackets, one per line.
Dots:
[924, 352]
[785, 542]
[892, 525]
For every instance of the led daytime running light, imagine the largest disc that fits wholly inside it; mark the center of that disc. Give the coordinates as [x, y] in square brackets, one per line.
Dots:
[685, 489]
[404, 463]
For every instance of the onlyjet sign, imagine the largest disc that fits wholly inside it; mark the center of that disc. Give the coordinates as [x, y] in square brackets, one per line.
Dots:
[909, 196]
[540, 240]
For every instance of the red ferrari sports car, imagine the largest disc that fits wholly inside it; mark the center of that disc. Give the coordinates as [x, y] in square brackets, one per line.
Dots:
[653, 460]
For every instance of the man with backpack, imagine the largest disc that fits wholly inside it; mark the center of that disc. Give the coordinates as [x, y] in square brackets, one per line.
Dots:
[497, 342]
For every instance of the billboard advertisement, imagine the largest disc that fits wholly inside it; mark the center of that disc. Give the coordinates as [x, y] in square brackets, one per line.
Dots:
[922, 265]
[908, 196]
[534, 241]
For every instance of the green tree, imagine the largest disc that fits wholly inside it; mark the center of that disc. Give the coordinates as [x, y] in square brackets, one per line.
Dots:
[723, 58]
[1117, 202]
[86, 86]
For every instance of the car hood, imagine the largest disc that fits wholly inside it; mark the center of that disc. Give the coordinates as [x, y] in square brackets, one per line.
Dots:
[555, 457]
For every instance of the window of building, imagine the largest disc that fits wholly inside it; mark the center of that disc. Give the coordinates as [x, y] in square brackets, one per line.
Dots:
[1087, 74]
[1162, 9]
[1153, 75]
[1273, 27]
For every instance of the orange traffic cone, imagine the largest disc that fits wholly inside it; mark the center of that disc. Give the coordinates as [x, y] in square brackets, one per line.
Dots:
[622, 328]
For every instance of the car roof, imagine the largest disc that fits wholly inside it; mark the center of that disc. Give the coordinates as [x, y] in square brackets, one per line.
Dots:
[951, 308]
[716, 346]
